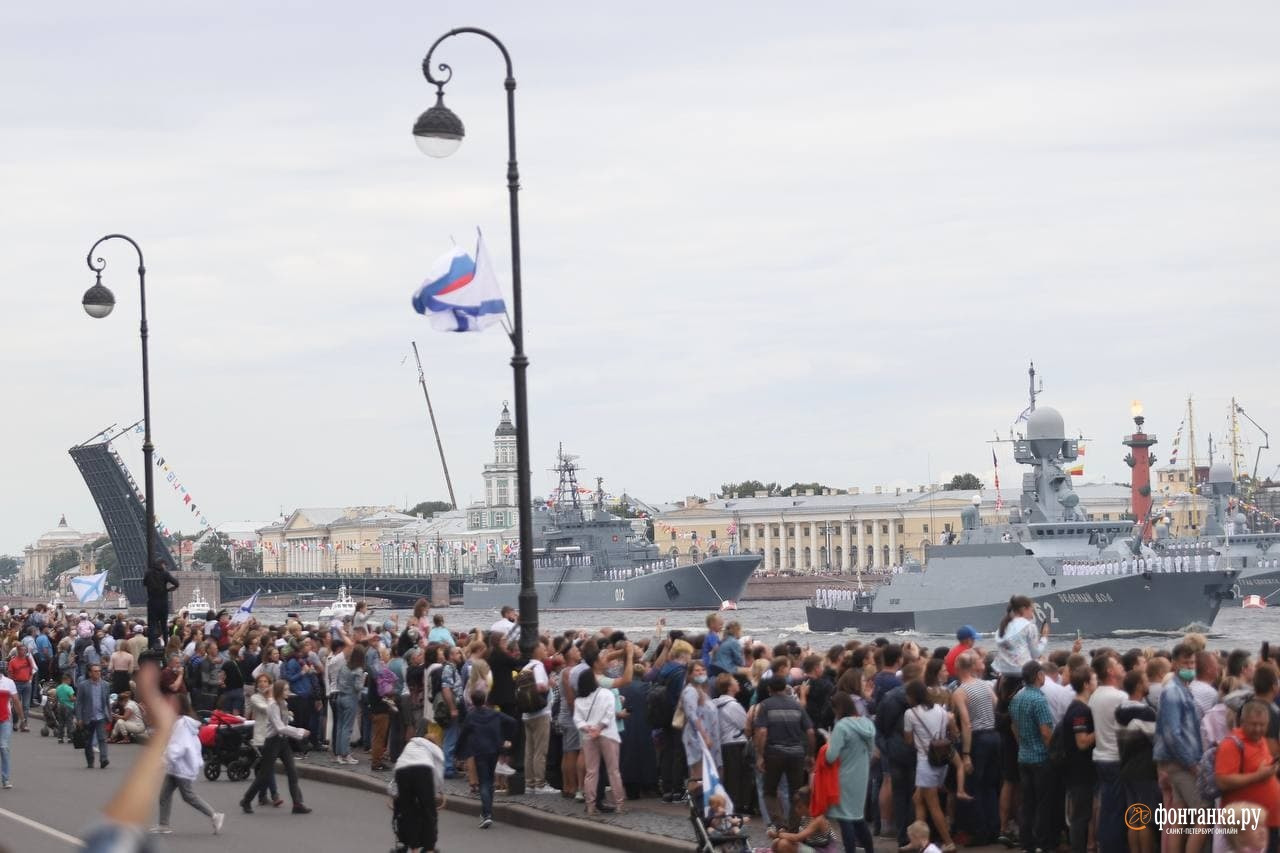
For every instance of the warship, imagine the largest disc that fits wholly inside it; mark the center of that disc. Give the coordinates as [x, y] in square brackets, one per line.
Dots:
[1085, 577]
[586, 558]
[1226, 539]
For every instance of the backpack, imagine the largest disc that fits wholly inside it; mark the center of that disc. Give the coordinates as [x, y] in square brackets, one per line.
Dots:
[657, 706]
[940, 747]
[386, 682]
[1206, 775]
[439, 706]
[529, 699]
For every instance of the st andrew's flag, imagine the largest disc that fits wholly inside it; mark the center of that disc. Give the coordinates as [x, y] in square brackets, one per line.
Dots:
[461, 294]
[89, 587]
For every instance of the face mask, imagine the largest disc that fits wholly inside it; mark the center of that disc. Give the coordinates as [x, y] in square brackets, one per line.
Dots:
[1187, 674]
[699, 679]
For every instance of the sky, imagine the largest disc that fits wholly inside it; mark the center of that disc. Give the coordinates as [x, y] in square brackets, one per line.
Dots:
[757, 243]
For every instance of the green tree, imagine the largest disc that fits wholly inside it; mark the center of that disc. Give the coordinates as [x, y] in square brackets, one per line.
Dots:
[63, 560]
[801, 488]
[8, 566]
[214, 553]
[107, 560]
[747, 488]
[964, 481]
[428, 508]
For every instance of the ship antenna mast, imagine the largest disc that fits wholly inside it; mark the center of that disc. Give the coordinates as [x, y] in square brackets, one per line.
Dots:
[422, 380]
[1191, 460]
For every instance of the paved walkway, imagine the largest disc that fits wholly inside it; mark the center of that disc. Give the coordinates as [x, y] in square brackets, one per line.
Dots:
[54, 798]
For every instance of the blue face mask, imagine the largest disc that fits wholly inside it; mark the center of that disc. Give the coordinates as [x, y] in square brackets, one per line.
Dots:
[1187, 674]
[699, 679]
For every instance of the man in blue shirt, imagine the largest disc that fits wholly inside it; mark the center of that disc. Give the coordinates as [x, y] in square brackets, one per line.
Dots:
[728, 656]
[1032, 729]
[714, 627]
[1177, 743]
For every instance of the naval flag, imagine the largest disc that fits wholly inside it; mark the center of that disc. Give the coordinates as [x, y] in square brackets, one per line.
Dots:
[89, 587]
[712, 785]
[461, 294]
[246, 609]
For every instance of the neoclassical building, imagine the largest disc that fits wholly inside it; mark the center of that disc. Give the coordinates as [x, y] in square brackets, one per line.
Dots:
[853, 531]
[322, 540]
[49, 545]
[461, 541]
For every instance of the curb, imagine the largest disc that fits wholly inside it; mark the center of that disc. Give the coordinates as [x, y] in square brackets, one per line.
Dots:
[512, 814]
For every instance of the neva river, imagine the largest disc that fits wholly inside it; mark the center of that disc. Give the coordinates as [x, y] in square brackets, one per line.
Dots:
[771, 621]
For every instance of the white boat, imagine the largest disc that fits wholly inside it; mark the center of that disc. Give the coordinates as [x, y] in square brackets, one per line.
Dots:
[343, 606]
[197, 606]
[1253, 602]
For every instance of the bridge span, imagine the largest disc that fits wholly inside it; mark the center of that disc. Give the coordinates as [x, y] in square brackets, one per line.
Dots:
[402, 590]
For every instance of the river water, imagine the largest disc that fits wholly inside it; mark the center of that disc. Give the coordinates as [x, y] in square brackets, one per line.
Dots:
[771, 621]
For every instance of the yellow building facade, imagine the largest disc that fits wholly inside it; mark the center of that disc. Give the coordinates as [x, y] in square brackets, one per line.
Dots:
[841, 532]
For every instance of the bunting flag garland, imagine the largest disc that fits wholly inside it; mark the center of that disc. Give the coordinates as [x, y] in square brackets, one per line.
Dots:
[996, 464]
[1177, 442]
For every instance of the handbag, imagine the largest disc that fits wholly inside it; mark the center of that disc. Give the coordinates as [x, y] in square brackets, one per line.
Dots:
[940, 748]
[678, 718]
[593, 707]
[79, 737]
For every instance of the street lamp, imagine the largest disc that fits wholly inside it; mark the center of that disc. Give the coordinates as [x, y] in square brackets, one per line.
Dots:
[438, 132]
[98, 302]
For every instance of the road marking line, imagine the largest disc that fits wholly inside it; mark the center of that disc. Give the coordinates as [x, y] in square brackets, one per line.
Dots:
[61, 836]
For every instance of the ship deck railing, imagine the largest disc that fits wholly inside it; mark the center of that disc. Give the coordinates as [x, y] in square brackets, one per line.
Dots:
[511, 573]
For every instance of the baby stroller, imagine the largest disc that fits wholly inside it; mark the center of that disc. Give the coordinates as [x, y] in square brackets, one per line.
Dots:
[227, 741]
[729, 837]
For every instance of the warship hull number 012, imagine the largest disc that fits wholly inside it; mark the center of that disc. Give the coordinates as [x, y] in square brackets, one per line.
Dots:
[1090, 577]
[586, 558]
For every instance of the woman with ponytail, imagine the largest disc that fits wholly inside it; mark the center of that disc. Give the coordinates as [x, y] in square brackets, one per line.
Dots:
[1017, 640]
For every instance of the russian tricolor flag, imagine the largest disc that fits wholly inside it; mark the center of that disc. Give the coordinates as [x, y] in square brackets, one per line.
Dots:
[461, 294]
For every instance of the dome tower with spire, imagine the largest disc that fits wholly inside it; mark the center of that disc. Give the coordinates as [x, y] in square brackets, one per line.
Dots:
[500, 475]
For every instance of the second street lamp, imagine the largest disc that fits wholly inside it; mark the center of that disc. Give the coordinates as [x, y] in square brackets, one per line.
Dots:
[98, 302]
[438, 133]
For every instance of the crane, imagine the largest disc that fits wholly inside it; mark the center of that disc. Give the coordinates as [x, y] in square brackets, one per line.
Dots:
[1266, 441]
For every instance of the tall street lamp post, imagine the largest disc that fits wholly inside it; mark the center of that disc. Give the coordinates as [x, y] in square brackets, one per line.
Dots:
[438, 133]
[98, 302]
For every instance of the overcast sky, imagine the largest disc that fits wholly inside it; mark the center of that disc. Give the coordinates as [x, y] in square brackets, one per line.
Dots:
[757, 244]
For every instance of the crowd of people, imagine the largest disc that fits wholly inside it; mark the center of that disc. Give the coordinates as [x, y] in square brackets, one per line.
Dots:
[959, 745]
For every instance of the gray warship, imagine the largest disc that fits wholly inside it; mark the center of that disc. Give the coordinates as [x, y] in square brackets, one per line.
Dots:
[1092, 577]
[586, 558]
[1227, 539]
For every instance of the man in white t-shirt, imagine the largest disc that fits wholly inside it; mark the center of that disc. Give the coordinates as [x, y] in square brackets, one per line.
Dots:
[537, 725]
[507, 624]
[1057, 694]
[1106, 752]
[8, 711]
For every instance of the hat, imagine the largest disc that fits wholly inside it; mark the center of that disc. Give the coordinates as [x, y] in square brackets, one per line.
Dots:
[388, 625]
[966, 632]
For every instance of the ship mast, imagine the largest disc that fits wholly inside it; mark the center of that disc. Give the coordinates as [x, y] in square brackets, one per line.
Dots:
[422, 380]
[1031, 385]
[1191, 461]
[1235, 443]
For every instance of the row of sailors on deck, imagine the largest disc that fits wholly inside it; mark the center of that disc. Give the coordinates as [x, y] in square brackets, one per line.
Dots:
[1198, 563]
[833, 597]
[638, 571]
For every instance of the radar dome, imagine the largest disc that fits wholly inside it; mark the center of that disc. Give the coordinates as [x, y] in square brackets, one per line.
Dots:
[1220, 472]
[1045, 422]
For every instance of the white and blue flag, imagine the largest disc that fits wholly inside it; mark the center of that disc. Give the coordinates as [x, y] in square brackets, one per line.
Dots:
[89, 587]
[246, 609]
[712, 784]
[461, 294]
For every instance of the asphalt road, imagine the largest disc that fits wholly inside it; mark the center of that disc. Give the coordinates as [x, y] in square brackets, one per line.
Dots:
[54, 798]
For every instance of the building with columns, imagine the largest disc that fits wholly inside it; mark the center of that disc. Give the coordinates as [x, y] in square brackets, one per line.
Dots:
[461, 541]
[846, 532]
[322, 540]
[39, 555]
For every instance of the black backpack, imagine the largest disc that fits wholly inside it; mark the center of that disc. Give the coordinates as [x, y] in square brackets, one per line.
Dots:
[657, 705]
[529, 699]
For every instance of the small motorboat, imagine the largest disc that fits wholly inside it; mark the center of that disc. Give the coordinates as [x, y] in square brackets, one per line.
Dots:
[343, 606]
[1253, 602]
[728, 605]
[197, 606]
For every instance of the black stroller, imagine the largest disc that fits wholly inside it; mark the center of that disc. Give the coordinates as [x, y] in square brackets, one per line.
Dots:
[710, 840]
[228, 742]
